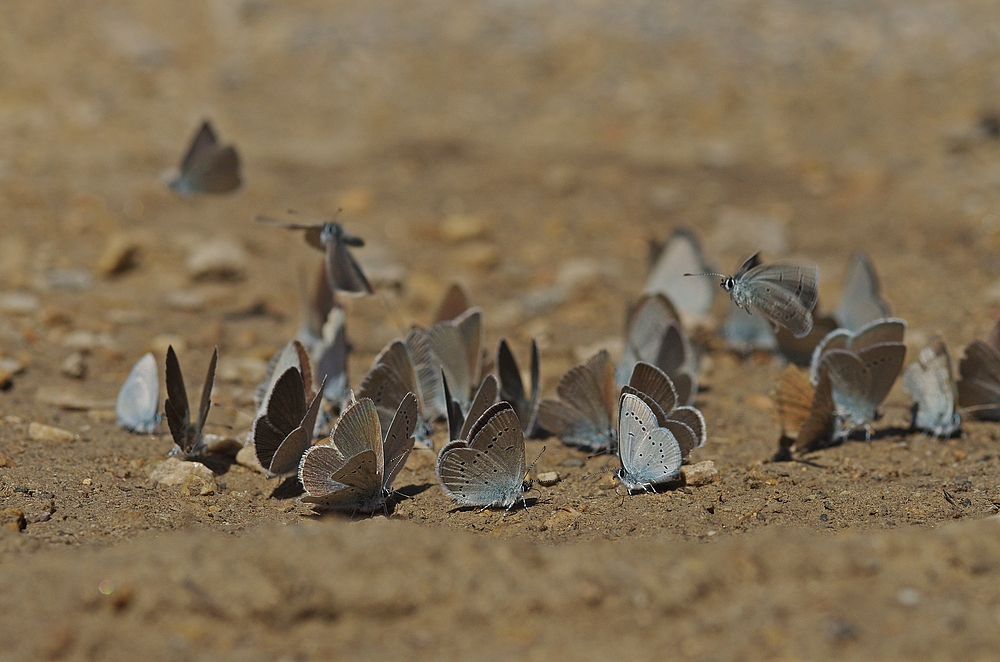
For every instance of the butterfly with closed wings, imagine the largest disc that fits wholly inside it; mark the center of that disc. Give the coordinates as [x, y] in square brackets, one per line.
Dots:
[355, 472]
[208, 167]
[525, 403]
[138, 404]
[654, 334]
[583, 414]
[189, 439]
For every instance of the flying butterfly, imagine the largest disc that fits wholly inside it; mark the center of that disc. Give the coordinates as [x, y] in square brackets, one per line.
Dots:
[486, 470]
[188, 437]
[284, 431]
[138, 404]
[583, 414]
[208, 167]
[784, 294]
[343, 273]
[861, 297]
[680, 256]
[654, 334]
[355, 472]
[649, 453]
[930, 383]
[525, 403]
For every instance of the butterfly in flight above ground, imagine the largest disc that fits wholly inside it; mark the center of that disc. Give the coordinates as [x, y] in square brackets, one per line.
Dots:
[343, 273]
[208, 167]
[783, 293]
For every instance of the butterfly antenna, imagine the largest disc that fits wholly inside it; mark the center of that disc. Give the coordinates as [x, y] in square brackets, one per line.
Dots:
[531, 466]
[975, 408]
[295, 212]
[708, 273]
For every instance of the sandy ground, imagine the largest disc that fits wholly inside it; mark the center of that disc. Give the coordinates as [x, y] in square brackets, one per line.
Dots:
[522, 150]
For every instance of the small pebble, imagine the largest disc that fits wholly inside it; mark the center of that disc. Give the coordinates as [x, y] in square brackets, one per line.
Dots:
[6, 461]
[186, 300]
[908, 597]
[87, 341]
[548, 478]
[241, 370]
[478, 255]
[700, 473]
[217, 259]
[120, 254]
[174, 471]
[13, 519]
[64, 279]
[67, 398]
[43, 432]
[74, 366]
[463, 227]
[18, 303]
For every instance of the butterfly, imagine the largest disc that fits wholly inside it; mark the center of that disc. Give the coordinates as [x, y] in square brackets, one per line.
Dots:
[357, 469]
[654, 334]
[454, 303]
[406, 366]
[487, 470]
[208, 167]
[188, 437]
[681, 255]
[804, 412]
[747, 334]
[292, 355]
[323, 333]
[525, 403]
[655, 388]
[583, 415]
[138, 404]
[343, 273]
[863, 366]
[784, 294]
[459, 424]
[930, 383]
[284, 430]
[861, 299]
[649, 453]
[457, 344]
[979, 382]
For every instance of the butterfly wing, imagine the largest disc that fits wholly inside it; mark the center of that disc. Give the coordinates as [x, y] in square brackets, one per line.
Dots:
[511, 386]
[929, 382]
[979, 385]
[360, 484]
[283, 412]
[204, 141]
[783, 293]
[747, 332]
[861, 301]
[206, 392]
[342, 271]
[880, 331]
[884, 362]
[649, 454]
[399, 439]
[486, 396]
[358, 430]
[851, 383]
[489, 470]
[427, 370]
[820, 426]
[455, 302]
[836, 339]
[654, 382]
[139, 397]
[176, 405]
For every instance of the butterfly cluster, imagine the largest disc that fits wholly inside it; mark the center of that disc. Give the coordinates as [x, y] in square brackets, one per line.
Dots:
[347, 448]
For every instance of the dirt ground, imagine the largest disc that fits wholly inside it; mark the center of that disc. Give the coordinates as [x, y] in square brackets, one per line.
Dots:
[530, 152]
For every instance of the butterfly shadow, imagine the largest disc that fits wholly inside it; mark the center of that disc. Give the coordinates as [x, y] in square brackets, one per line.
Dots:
[289, 488]
[520, 504]
[217, 463]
